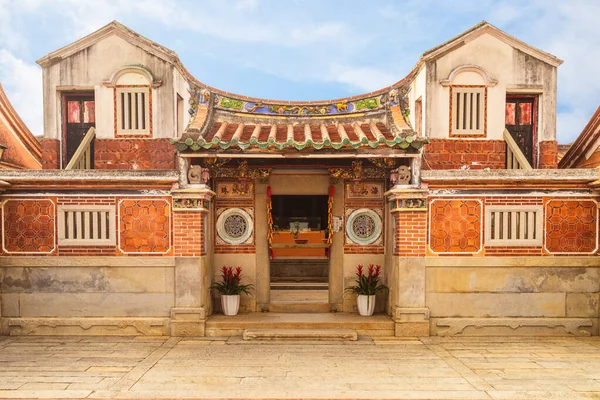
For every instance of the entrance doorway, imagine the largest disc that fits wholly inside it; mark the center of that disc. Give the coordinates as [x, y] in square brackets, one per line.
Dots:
[521, 115]
[300, 266]
[79, 115]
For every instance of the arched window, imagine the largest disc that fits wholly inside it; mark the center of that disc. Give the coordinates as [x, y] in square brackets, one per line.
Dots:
[468, 100]
[133, 101]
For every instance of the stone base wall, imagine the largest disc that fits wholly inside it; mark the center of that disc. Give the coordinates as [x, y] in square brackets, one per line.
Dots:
[487, 296]
[86, 295]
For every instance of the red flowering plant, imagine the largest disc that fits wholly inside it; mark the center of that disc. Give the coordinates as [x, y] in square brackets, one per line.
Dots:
[230, 284]
[367, 282]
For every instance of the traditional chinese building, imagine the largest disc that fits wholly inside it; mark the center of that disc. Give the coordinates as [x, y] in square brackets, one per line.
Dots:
[153, 181]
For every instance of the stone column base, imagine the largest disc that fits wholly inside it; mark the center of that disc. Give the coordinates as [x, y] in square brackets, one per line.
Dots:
[413, 321]
[187, 321]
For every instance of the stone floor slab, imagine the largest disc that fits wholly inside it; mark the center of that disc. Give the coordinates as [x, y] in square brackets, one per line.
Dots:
[378, 368]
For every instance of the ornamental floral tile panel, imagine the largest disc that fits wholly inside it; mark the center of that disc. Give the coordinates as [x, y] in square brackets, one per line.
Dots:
[29, 226]
[364, 190]
[571, 226]
[455, 226]
[144, 226]
[364, 226]
[235, 226]
[235, 190]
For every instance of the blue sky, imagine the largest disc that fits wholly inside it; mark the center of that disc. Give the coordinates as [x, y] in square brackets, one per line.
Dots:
[304, 50]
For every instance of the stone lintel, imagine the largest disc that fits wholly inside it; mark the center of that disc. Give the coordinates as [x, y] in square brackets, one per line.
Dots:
[406, 198]
[105, 326]
[514, 326]
[515, 262]
[84, 261]
[195, 198]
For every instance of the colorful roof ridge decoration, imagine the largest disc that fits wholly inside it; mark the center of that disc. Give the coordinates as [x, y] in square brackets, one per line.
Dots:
[380, 122]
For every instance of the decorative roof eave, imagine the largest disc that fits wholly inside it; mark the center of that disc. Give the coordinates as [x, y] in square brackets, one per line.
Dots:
[404, 143]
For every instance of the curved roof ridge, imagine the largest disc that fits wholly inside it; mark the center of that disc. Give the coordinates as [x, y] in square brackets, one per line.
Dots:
[19, 128]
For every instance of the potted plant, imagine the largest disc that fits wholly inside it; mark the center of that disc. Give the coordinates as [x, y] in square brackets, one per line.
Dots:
[230, 289]
[367, 286]
[295, 232]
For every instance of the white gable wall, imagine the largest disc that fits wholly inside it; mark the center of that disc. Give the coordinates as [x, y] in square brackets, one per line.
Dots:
[515, 72]
[90, 68]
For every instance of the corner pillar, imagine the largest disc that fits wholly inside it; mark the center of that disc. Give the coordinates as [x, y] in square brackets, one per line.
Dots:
[192, 265]
[408, 205]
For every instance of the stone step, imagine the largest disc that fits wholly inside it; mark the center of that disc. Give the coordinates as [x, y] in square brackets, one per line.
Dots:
[322, 286]
[299, 307]
[299, 279]
[304, 268]
[312, 296]
[301, 334]
[376, 325]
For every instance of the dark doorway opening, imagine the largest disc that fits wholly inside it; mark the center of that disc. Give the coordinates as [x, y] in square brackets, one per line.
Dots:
[520, 120]
[79, 115]
[310, 212]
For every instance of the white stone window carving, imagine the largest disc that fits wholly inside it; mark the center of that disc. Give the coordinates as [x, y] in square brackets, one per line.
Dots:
[468, 110]
[235, 226]
[133, 110]
[86, 225]
[364, 226]
[513, 225]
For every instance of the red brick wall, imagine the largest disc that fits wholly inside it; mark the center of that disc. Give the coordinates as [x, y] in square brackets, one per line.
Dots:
[548, 155]
[456, 226]
[454, 153]
[50, 153]
[410, 233]
[188, 233]
[138, 154]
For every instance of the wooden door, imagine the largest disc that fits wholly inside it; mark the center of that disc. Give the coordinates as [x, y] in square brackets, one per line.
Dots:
[79, 116]
[520, 123]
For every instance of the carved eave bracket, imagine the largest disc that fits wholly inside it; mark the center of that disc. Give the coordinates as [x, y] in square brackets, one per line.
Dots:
[409, 199]
[356, 172]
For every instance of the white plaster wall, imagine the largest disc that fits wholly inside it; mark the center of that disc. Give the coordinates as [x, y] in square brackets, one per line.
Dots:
[515, 72]
[180, 86]
[87, 69]
[418, 87]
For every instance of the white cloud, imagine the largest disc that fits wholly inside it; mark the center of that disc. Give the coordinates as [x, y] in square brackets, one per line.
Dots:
[22, 83]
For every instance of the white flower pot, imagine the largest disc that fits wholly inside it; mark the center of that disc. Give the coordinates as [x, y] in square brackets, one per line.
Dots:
[365, 304]
[230, 304]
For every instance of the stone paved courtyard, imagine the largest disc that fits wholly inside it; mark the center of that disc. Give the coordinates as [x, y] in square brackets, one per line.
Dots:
[427, 368]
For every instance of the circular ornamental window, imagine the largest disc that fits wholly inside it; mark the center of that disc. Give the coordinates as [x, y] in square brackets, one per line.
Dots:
[364, 226]
[234, 226]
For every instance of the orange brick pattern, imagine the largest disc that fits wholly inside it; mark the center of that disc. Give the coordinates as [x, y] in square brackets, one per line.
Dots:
[454, 153]
[571, 226]
[188, 234]
[140, 154]
[549, 155]
[455, 226]
[29, 226]
[50, 154]
[410, 233]
[145, 226]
